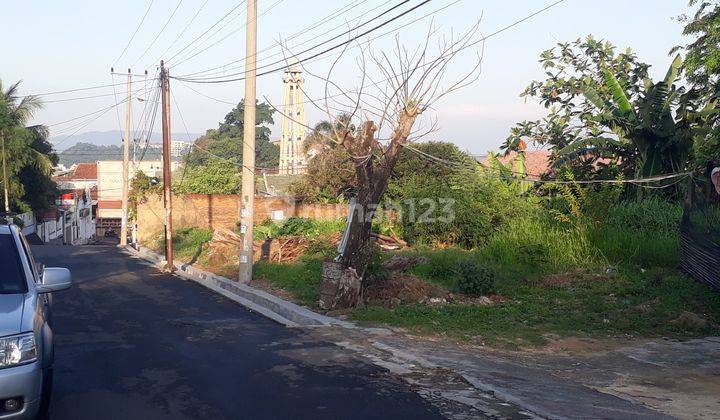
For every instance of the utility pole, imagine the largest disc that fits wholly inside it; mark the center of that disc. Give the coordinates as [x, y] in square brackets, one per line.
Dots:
[167, 201]
[126, 163]
[5, 179]
[247, 195]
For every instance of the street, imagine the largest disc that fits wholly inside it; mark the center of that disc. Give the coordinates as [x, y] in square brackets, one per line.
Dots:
[131, 342]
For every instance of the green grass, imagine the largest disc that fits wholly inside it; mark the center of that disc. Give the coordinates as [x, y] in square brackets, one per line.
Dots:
[187, 243]
[638, 304]
[301, 279]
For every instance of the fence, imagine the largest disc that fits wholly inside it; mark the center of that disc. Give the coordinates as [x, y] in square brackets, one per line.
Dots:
[700, 241]
[221, 211]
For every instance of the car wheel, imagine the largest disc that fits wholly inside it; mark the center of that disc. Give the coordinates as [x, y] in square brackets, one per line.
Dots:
[47, 386]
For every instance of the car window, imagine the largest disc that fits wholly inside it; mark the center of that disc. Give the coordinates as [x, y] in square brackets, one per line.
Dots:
[31, 260]
[12, 279]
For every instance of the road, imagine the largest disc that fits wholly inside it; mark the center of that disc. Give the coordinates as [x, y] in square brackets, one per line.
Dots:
[133, 343]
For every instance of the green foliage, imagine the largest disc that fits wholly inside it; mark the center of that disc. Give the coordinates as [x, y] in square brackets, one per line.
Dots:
[301, 279]
[474, 279]
[603, 107]
[28, 152]
[215, 176]
[298, 226]
[187, 243]
[213, 166]
[465, 208]
[330, 174]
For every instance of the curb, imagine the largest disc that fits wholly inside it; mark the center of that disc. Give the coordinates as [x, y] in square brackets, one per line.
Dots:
[270, 306]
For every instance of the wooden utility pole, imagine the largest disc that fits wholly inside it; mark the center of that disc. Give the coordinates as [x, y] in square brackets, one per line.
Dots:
[126, 163]
[247, 195]
[5, 178]
[167, 197]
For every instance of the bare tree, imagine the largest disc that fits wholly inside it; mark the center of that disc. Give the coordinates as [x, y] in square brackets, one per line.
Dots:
[380, 117]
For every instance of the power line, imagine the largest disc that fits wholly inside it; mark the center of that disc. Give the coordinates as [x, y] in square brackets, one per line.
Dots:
[325, 42]
[202, 50]
[204, 33]
[159, 33]
[296, 34]
[134, 33]
[187, 26]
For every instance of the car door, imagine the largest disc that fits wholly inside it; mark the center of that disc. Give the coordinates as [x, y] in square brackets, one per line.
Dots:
[44, 299]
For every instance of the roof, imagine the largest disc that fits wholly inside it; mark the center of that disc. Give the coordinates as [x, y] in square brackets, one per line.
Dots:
[83, 171]
[537, 162]
[86, 171]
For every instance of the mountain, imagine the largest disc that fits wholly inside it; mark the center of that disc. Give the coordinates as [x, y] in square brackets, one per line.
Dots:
[90, 152]
[110, 138]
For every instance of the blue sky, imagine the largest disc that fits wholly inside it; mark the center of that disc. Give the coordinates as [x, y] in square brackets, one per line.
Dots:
[55, 45]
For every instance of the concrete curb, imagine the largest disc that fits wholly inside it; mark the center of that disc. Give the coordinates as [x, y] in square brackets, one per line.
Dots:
[270, 306]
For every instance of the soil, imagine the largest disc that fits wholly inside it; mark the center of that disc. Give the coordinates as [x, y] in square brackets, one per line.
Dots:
[403, 289]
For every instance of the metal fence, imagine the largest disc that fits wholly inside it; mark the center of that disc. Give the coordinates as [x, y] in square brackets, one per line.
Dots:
[700, 241]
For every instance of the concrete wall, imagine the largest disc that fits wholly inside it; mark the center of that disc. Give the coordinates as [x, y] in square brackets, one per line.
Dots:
[221, 211]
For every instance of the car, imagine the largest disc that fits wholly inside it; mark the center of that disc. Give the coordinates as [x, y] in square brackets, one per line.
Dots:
[26, 336]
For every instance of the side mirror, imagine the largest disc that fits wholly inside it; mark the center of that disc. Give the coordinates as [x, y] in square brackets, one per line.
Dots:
[54, 279]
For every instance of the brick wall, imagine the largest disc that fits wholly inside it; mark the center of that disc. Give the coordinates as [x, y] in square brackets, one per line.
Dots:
[221, 211]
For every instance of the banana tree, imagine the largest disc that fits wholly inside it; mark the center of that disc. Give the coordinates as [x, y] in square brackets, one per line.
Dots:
[651, 129]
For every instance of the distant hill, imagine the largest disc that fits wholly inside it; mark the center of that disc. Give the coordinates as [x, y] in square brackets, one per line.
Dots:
[111, 138]
[90, 152]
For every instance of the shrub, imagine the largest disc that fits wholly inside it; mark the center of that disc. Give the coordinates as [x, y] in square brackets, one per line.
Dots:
[473, 278]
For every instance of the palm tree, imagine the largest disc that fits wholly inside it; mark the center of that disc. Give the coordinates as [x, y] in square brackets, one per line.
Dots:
[324, 135]
[24, 149]
[658, 138]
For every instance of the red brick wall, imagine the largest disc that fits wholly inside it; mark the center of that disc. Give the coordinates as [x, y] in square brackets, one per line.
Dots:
[221, 211]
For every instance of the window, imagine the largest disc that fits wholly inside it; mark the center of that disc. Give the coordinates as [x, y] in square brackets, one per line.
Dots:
[13, 279]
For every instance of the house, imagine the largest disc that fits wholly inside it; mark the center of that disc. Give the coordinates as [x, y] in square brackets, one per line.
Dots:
[80, 176]
[109, 189]
[76, 209]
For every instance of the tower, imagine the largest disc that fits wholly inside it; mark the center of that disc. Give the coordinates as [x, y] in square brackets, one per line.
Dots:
[292, 157]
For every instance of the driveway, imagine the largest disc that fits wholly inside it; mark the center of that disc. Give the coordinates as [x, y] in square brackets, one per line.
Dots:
[134, 343]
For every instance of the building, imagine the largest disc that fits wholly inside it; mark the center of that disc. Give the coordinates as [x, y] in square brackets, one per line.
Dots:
[110, 182]
[293, 159]
[77, 210]
[79, 176]
[179, 148]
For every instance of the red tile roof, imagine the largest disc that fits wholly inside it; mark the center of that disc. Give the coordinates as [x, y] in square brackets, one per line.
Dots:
[86, 171]
[537, 163]
[83, 171]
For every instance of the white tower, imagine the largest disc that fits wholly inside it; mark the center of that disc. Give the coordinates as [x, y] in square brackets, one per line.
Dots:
[292, 158]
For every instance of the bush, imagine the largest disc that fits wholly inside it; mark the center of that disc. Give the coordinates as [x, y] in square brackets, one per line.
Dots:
[474, 279]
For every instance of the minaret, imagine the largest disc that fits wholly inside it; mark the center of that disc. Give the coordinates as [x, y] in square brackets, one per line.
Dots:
[292, 158]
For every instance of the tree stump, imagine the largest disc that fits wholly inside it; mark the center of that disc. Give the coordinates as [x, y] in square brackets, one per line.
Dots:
[341, 287]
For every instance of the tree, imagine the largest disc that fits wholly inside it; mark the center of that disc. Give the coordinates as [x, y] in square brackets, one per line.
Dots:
[29, 154]
[213, 165]
[225, 142]
[702, 69]
[387, 120]
[330, 172]
[604, 106]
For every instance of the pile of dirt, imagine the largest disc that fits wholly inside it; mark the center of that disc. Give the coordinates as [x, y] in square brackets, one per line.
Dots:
[403, 289]
[401, 263]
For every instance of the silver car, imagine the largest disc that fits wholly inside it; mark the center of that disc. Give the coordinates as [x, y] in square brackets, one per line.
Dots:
[26, 339]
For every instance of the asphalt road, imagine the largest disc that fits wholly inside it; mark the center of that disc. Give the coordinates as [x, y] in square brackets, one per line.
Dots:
[132, 343]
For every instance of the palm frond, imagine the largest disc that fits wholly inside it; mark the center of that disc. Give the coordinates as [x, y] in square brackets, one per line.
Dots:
[617, 91]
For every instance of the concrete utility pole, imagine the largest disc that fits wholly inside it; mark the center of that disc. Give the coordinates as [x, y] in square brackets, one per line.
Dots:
[5, 179]
[247, 195]
[126, 162]
[167, 202]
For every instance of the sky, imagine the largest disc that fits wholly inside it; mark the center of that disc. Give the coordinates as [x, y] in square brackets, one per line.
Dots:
[56, 45]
